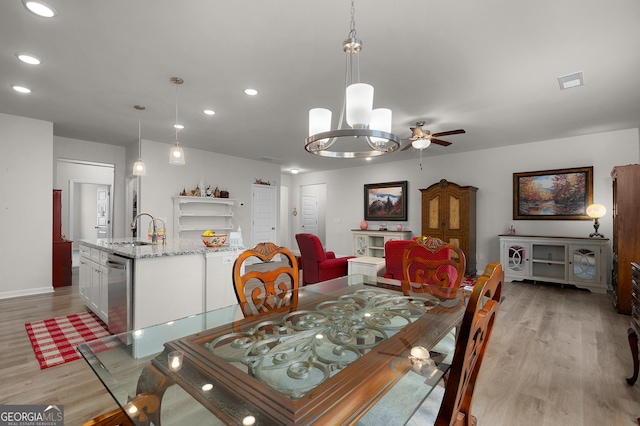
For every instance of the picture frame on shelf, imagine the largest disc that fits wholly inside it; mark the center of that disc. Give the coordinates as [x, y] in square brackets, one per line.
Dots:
[385, 201]
[561, 194]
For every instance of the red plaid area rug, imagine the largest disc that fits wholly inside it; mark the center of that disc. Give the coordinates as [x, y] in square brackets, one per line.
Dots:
[54, 340]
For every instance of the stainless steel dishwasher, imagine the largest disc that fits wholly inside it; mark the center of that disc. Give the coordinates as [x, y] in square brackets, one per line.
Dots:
[120, 293]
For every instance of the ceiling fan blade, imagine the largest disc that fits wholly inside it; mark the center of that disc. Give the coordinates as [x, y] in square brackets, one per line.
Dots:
[440, 142]
[450, 132]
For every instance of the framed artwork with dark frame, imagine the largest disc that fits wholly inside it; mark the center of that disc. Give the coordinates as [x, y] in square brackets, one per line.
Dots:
[385, 201]
[562, 194]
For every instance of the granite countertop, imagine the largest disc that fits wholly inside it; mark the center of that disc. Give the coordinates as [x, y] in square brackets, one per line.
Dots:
[172, 247]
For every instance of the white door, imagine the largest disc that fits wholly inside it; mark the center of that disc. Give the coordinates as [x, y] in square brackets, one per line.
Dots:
[103, 221]
[263, 214]
[310, 214]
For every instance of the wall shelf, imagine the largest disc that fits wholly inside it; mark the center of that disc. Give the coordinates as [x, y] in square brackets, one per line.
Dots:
[194, 215]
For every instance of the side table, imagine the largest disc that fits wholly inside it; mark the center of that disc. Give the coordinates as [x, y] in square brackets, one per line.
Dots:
[366, 265]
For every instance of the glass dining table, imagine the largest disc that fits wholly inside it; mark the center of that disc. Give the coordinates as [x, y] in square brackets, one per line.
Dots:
[326, 353]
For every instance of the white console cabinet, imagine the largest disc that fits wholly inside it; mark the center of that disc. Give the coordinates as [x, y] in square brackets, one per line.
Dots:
[371, 243]
[583, 262]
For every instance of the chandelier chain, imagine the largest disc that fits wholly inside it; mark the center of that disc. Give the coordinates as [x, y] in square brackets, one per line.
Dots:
[352, 26]
[176, 125]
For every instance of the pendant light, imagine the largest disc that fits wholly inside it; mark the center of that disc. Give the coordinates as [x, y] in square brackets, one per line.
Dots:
[368, 131]
[139, 168]
[176, 156]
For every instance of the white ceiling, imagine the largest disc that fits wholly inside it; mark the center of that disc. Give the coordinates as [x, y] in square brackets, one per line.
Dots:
[488, 66]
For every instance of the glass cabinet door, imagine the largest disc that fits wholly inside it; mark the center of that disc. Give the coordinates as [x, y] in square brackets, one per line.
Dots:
[360, 245]
[515, 260]
[584, 263]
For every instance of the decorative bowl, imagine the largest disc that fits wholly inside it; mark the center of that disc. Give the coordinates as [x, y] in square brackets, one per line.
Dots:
[214, 241]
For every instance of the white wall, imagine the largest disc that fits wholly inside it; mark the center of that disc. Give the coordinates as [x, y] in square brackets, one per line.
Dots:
[164, 181]
[491, 171]
[25, 206]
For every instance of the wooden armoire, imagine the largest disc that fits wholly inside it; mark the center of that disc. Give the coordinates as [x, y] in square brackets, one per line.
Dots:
[449, 213]
[626, 233]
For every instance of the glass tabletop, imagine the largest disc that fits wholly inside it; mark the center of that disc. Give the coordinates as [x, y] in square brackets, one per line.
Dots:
[331, 350]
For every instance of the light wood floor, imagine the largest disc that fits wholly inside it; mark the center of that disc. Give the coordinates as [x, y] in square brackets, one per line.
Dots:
[558, 356]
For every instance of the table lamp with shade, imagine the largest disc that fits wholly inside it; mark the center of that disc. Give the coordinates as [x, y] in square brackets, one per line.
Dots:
[596, 211]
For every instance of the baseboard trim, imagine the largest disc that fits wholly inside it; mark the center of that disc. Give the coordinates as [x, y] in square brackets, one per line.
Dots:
[26, 292]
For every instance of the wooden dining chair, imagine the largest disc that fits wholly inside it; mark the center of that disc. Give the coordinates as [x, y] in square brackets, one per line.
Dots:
[474, 334]
[448, 405]
[431, 261]
[266, 286]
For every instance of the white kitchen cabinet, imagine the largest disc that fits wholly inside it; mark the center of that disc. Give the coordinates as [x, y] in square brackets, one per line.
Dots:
[583, 262]
[167, 288]
[194, 215]
[219, 288]
[84, 279]
[371, 243]
[94, 281]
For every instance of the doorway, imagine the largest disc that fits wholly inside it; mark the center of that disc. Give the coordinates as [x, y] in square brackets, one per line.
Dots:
[89, 213]
[263, 214]
[313, 201]
[82, 218]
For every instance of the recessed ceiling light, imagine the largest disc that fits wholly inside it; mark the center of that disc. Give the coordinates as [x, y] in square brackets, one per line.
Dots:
[251, 92]
[368, 158]
[295, 171]
[28, 59]
[209, 112]
[571, 80]
[21, 89]
[39, 8]
[178, 126]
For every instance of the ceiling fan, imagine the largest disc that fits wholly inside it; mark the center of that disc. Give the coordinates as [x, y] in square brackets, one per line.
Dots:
[420, 139]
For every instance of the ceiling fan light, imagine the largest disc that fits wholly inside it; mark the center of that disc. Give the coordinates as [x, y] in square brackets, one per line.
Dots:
[359, 105]
[421, 143]
[176, 156]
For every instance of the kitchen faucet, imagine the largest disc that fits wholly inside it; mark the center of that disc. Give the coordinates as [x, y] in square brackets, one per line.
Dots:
[154, 235]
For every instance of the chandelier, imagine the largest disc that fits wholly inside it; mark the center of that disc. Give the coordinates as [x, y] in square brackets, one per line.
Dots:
[368, 130]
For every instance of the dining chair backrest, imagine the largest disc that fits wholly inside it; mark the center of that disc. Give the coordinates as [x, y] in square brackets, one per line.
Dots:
[471, 344]
[429, 260]
[266, 286]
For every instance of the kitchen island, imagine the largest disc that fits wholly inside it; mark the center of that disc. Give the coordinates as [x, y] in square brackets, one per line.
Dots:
[156, 282]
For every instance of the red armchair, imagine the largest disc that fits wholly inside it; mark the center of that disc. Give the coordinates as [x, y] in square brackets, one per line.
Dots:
[318, 265]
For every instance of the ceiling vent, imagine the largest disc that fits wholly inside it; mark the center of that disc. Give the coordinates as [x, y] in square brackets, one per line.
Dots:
[571, 80]
[269, 159]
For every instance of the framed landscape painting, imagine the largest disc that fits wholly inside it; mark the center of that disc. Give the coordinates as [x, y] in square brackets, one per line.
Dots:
[562, 194]
[385, 201]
